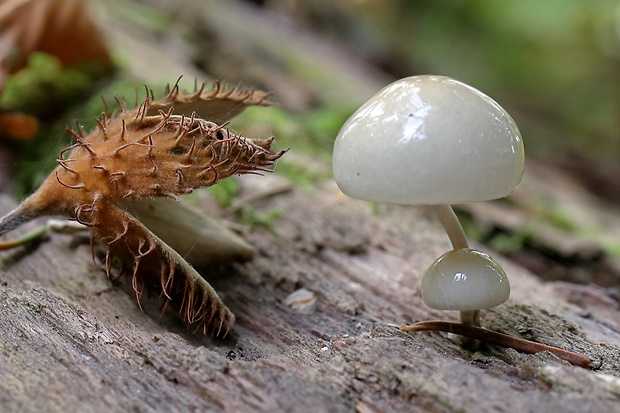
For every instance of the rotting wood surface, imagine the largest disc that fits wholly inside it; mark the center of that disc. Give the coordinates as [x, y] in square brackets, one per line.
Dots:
[71, 340]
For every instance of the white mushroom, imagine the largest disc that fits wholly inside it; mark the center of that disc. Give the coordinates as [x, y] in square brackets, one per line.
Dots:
[436, 141]
[464, 280]
[428, 140]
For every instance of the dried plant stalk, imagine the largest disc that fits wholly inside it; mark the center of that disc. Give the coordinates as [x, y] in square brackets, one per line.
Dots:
[152, 151]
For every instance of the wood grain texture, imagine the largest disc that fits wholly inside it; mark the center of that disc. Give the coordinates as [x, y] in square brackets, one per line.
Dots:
[71, 340]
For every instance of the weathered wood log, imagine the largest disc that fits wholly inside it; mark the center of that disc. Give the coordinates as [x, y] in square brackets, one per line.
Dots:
[72, 340]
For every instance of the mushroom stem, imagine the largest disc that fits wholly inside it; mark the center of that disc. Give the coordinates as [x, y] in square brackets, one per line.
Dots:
[451, 224]
[470, 318]
[493, 337]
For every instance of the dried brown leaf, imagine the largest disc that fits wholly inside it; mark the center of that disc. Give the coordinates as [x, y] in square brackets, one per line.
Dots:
[217, 104]
[63, 28]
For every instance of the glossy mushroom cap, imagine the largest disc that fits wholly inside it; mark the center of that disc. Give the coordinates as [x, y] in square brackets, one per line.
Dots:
[428, 140]
[464, 280]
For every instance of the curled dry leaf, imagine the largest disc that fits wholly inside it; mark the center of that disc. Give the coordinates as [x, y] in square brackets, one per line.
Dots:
[62, 28]
[158, 149]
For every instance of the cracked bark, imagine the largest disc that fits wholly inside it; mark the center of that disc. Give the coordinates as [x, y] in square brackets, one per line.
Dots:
[71, 340]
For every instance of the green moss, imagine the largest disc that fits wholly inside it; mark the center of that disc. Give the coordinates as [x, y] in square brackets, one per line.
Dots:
[310, 136]
[375, 208]
[149, 18]
[252, 218]
[471, 228]
[613, 249]
[48, 91]
[301, 176]
[45, 88]
[225, 191]
[506, 243]
[312, 132]
[561, 220]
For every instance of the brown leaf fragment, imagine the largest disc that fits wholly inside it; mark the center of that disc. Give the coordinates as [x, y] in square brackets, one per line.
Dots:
[219, 104]
[63, 28]
[18, 125]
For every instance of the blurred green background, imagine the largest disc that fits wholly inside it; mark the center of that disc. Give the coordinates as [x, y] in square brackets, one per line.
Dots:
[553, 65]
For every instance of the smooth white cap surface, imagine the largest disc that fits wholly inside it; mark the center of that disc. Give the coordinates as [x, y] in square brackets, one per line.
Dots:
[464, 280]
[428, 140]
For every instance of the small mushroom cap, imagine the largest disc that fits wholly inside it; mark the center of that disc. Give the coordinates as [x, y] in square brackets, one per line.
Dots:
[428, 140]
[464, 280]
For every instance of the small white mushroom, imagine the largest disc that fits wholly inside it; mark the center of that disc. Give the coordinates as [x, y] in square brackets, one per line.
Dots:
[436, 141]
[464, 280]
